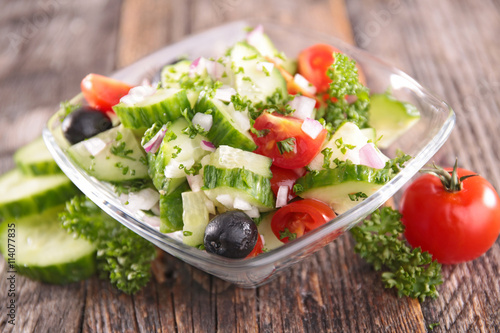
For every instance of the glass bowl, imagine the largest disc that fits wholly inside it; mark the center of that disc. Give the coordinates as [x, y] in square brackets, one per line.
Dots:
[422, 141]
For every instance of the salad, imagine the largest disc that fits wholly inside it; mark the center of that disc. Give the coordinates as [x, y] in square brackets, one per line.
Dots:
[243, 153]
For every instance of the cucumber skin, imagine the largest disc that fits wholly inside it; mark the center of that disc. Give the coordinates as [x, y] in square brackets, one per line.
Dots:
[171, 209]
[37, 202]
[222, 131]
[342, 174]
[257, 186]
[145, 116]
[78, 270]
[26, 159]
[39, 168]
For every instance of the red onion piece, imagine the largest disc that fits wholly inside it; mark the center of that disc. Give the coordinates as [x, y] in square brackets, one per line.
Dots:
[204, 120]
[207, 145]
[312, 127]
[224, 94]
[153, 145]
[304, 84]
[369, 156]
[254, 35]
[195, 182]
[303, 106]
[282, 196]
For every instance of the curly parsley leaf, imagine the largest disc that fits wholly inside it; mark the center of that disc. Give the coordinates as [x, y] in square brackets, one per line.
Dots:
[286, 146]
[345, 82]
[379, 241]
[122, 255]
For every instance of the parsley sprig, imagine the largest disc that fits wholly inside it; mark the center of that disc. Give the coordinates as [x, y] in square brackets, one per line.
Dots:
[345, 82]
[379, 241]
[122, 256]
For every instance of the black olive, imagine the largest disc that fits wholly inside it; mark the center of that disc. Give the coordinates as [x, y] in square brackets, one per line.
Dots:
[231, 234]
[84, 123]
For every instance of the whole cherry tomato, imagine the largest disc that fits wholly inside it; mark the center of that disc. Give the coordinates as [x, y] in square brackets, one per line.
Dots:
[103, 92]
[299, 217]
[454, 215]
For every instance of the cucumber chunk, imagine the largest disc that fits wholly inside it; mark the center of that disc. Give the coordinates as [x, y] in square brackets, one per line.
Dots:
[343, 187]
[177, 153]
[267, 49]
[35, 159]
[391, 118]
[250, 82]
[171, 209]
[238, 183]
[344, 144]
[23, 195]
[196, 217]
[227, 157]
[164, 105]
[224, 130]
[113, 156]
[271, 242]
[42, 250]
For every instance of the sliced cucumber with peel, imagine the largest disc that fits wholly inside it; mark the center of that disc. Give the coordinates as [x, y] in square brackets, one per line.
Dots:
[251, 82]
[42, 250]
[35, 159]
[224, 130]
[23, 195]
[391, 118]
[344, 186]
[161, 107]
[227, 157]
[195, 216]
[171, 209]
[177, 153]
[114, 155]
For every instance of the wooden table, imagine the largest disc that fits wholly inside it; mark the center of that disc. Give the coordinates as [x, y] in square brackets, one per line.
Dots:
[452, 47]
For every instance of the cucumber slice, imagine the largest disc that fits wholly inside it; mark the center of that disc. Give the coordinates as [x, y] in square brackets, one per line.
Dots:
[113, 155]
[196, 218]
[171, 209]
[164, 105]
[344, 144]
[391, 118]
[333, 186]
[23, 195]
[257, 85]
[238, 183]
[271, 242]
[224, 130]
[226, 157]
[177, 153]
[172, 75]
[266, 48]
[35, 159]
[43, 250]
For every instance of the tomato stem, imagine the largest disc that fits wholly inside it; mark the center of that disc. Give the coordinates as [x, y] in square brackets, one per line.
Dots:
[449, 179]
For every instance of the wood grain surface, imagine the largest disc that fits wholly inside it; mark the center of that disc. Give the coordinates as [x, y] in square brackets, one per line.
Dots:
[451, 47]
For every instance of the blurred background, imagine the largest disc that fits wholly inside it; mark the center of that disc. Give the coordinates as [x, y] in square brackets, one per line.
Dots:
[450, 47]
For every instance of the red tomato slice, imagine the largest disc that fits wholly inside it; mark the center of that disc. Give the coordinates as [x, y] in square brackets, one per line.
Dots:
[313, 63]
[285, 141]
[258, 248]
[285, 177]
[102, 92]
[300, 217]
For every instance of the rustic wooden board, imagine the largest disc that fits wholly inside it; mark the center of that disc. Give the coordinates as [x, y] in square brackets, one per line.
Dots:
[449, 46]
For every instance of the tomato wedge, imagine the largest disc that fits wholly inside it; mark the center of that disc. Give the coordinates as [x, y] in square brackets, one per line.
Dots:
[300, 217]
[258, 248]
[103, 92]
[283, 140]
[285, 177]
[313, 63]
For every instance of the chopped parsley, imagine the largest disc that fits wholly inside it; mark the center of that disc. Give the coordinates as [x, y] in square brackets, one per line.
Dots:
[357, 196]
[286, 233]
[121, 151]
[286, 146]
